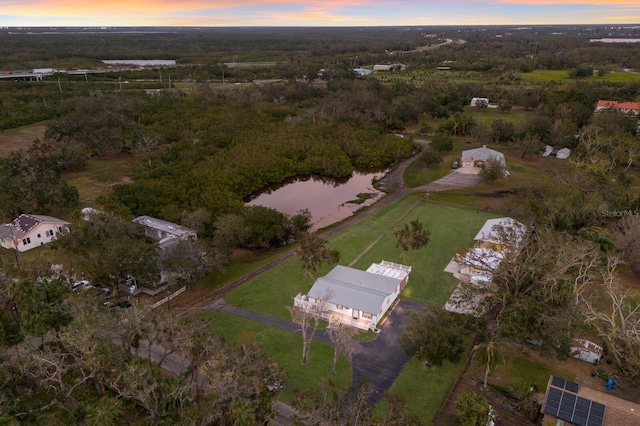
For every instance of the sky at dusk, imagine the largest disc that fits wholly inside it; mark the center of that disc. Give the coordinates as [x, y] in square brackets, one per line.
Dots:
[314, 12]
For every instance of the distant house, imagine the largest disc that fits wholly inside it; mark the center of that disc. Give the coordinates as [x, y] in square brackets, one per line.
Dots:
[562, 153]
[472, 160]
[362, 71]
[31, 230]
[167, 233]
[357, 298]
[87, 212]
[479, 102]
[390, 67]
[568, 403]
[629, 108]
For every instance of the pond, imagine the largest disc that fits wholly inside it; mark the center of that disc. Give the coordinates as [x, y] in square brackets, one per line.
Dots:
[328, 200]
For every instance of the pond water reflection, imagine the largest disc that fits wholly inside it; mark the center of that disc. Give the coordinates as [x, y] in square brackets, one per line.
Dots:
[326, 199]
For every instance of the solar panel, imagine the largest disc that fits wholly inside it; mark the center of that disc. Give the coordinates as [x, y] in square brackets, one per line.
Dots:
[571, 386]
[558, 382]
[567, 406]
[553, 401]
[581, 411]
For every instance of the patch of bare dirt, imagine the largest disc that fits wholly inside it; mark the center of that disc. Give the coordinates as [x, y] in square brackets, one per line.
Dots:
[14, 140]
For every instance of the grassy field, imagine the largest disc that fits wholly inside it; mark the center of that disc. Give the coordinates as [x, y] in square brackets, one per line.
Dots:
[285, 349]
[451, 230]
[557, 75]
[20, 138]
[487, 116]
[424, 389]
[102, 174]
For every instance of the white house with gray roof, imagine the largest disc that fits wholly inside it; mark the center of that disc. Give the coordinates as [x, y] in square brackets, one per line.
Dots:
[28, 231]
[357, 298]
[472, 160]
[167, 233]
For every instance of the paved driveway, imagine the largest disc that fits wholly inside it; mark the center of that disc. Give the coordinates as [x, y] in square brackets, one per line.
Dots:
[382, 360]
[455, 179]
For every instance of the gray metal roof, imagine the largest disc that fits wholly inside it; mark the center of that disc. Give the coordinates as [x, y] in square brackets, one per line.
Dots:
[482, 153]
[166, 226]
[491, 231]
[354, 288]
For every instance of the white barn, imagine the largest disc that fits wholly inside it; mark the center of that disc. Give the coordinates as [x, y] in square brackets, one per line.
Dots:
[357, 298]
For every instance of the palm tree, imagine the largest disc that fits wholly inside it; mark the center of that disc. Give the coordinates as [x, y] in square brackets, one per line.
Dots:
[489, 354]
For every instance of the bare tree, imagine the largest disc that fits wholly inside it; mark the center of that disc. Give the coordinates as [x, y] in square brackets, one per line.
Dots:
[308, 316]
[618, 325]
[342, 338]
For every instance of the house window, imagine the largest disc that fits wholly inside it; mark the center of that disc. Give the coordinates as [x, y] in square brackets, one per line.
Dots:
[39, 236]
[50, 233]
[339, 306]
[26, 241]
[366, 315]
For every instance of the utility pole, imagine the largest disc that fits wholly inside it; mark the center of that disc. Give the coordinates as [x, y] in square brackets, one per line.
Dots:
[15, 246]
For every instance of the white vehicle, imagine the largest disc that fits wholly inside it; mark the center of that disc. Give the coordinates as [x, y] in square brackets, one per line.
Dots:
[82, 284]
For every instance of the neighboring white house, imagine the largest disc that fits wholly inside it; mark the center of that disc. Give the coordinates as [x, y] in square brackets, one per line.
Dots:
[362, 71]
[167, 233]
[389, 67]
[472, 160]
[586, 350]
[494, 232]
[479, 102]
[562, 153]
[31, 230]
[354, 297]
[475, 268]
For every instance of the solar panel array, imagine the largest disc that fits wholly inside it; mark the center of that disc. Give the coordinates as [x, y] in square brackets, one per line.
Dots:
[563, 403]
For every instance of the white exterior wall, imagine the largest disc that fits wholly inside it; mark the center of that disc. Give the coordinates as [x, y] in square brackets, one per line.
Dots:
[38, 236]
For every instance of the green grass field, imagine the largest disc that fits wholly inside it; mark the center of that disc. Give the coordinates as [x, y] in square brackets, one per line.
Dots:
[558, 75]
[451, 230]
[101, 174]
[285, 349]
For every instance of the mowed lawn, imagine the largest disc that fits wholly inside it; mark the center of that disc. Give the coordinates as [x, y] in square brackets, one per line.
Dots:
[452, 229]
[285, 348]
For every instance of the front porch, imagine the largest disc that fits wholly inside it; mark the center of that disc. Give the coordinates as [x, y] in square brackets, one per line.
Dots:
[336, 318]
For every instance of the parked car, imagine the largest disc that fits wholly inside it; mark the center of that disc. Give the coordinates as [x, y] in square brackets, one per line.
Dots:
[82, 284]
[123, 304]
[104, 292]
